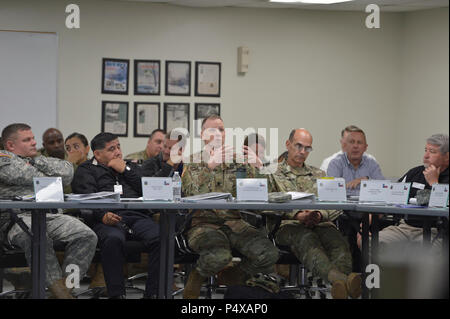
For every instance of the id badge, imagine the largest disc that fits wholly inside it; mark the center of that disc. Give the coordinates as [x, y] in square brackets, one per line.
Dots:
[118, 189]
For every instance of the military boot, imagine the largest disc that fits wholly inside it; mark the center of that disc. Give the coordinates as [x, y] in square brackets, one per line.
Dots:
[19, 277]
[193, 285]
[338, 282]
[353, 285]
[232, 276]
[59, 290]
[98, 280]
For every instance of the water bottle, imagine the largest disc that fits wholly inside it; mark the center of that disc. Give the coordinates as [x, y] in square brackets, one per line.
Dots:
[176, 183]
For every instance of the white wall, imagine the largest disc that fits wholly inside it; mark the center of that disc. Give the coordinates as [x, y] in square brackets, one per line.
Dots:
[315, 69]
[424, 98]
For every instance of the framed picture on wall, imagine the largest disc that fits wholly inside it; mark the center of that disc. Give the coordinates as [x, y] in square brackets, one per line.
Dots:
[207, 79]
[201, 111]
[146, 118]
[147, 77]
[115, 117]
[115, 76]
[176, 115]
[178, 78]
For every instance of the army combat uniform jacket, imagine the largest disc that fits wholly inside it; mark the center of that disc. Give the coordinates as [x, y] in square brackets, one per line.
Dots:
[139, 157]
[197, 179]
[16, 175]
[302, 179]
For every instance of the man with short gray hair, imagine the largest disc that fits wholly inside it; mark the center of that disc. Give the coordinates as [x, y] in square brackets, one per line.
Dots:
[434, 170]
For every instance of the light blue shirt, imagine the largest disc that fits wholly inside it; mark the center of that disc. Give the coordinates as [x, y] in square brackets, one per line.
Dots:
[341, 167]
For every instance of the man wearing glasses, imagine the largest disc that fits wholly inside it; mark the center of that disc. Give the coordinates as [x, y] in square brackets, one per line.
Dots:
[310, 234]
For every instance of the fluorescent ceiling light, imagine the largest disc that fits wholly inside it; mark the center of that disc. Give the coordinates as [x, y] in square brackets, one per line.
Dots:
[312, 1]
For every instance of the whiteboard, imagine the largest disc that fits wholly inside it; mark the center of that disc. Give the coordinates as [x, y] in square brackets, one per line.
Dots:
[28, 80]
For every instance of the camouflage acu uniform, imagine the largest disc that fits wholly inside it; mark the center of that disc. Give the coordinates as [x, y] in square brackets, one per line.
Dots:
[16, 178]
[43, 152]
[139, 156]
[214, 233]
[321, 247]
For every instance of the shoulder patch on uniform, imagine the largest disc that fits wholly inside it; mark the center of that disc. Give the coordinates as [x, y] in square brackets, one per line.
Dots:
[5, 159]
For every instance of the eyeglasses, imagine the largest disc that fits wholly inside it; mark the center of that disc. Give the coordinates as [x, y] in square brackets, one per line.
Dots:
[299, 147]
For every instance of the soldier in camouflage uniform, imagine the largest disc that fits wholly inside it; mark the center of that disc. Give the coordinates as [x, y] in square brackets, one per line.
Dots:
[18, 165]
[311, 235]
[53, 144]
[213, 233]
[155, 145]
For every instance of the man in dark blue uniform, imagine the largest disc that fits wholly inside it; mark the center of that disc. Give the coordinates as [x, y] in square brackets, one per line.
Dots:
[107, 171]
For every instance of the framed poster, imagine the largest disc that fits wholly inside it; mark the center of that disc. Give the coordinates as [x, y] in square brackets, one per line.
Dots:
[178, 78]
[115, 76]
[176, 115]
[207, 79]
[203, 110]
[146, 118]
[115, 117]
[147, 77]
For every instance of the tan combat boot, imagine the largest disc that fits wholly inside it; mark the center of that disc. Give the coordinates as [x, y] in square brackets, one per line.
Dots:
[353, 285]
[59, 290]
[193, 285]
[232, 276]
[98, 280]
[338, 281]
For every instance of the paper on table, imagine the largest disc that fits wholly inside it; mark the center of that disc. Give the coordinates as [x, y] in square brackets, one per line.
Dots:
[299, 195]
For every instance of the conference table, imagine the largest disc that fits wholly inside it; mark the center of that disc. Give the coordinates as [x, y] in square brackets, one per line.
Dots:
[167, 226]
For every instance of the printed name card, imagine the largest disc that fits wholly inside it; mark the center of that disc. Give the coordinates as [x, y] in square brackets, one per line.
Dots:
[157, 188]
[48, 189]
[439, 195]
[252, 189]
[331, 189]
[398, 193]
[374, 190]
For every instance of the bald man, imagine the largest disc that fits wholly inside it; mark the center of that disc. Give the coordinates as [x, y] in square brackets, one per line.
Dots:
[53, 144]
[311, 234]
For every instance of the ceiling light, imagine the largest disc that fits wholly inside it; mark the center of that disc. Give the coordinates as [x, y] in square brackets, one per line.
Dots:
[311, 1]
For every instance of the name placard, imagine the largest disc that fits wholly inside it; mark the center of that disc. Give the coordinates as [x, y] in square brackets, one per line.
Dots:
[398, 193]
[374, 190]
[157, 188]
[251, 189]
[439, 195]
[48, 189]
[331, 189]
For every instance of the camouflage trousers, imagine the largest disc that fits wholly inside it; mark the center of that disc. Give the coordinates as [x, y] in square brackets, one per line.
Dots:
[320, 249]
[214, 244]
[78, 239]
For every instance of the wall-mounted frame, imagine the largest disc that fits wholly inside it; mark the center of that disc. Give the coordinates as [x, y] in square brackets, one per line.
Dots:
[115, 117]
[201, 111]
[178, 78]
[207, 79]
[147, 77]
[176, 115]
[115, 76]
[146, 118]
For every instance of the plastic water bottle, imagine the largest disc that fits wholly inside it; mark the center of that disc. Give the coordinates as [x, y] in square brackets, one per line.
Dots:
[176, 183]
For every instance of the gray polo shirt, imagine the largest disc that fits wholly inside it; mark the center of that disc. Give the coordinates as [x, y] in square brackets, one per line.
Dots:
[341, 167]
